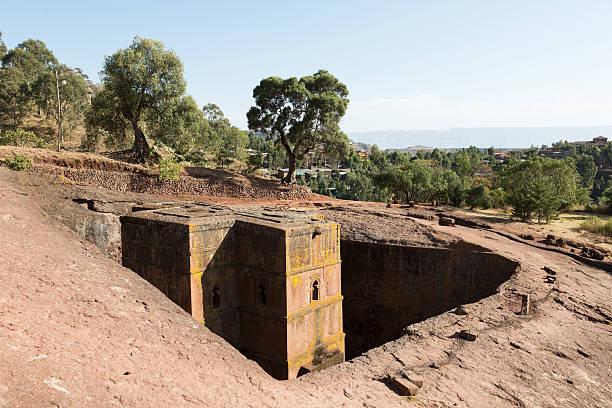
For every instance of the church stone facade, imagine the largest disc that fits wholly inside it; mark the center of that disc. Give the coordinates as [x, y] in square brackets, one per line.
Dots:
[267, 281]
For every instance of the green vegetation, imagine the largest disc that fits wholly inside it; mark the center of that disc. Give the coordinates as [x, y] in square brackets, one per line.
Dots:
[541, 187]
[596, 225]
[168, 169]
[32, 78]
[140, 80]
[142, 97]
[21, 138]
[141, 108]
[301, 115]
[18, 162]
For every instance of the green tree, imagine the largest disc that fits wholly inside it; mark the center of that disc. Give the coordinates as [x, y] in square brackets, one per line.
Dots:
[104, 120]
[212, 112]
[301, 114]
[357, 185]
[2, 47]
[232, 145]
[414, 180]
[15, 101]
[599, 186]
[62, 93]
[140, 78]
[21, 68]
[478, 195]
[378, 158]
[541, 187]
[180, 124]
[606, 197]
[585, 165]
[462, 164]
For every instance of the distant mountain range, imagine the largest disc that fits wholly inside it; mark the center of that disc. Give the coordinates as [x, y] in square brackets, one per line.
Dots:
[517, 137]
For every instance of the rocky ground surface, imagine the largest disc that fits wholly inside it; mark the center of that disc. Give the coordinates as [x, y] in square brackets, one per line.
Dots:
[77, 329]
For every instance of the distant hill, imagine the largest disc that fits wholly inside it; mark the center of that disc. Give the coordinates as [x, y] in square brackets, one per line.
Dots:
[519, 137]
[363, 147]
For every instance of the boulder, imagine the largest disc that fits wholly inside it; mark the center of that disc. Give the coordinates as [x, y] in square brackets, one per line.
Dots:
[445, 221]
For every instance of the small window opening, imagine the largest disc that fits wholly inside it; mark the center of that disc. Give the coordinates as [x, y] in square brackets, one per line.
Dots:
[303, 371]
[315, 290]
[261, 294]
[216, 298]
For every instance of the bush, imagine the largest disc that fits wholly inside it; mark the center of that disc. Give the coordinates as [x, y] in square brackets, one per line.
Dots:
[541, 187]
[478, 196]
[168, 169]
[598, 226]
[254, 162]
[498, 198]
[21, 138]
[197, 158]
[18, 162]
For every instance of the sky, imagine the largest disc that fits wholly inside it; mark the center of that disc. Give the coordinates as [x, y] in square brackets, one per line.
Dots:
[407, 64]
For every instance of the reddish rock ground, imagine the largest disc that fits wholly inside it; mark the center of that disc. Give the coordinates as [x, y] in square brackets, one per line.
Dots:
[77, 329]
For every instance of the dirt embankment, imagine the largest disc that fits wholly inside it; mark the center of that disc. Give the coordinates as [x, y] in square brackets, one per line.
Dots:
[194, 183]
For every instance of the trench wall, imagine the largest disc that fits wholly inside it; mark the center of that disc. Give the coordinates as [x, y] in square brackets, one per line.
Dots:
[388, 287]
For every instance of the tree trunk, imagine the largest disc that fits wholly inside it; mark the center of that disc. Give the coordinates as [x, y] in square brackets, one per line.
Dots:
[140, 149]
[290, 178]
[60, 137]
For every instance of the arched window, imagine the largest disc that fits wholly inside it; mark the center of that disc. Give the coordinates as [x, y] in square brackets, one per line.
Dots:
[216, 298]
[261, 294]
[315, 290]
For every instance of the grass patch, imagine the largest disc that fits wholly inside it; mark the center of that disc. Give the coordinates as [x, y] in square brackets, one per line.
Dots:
[598, 226]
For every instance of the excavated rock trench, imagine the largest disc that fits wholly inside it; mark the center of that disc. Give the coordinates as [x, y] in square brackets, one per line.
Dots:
[386, 287]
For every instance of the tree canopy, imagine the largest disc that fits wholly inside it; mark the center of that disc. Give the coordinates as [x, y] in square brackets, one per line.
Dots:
[412, 180]
[301, 114]
[31, 76]
[62, 93]
[541, 187]
[141, 78]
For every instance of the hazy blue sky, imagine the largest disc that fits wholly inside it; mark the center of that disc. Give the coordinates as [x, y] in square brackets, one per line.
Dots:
[407, 64]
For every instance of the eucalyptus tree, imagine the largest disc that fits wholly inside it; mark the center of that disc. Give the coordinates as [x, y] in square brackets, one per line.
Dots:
[2, 47]
[301, 115]
[20, 70]
[62, 94]
[141, 78]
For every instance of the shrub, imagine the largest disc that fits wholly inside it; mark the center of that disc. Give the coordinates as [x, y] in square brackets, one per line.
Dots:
[168, 169]
[253, 163]
[21, 138]
[598, 226]
[498, 198]
[197, 158]
[18, 162]
[478, 196]
[541, 187]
